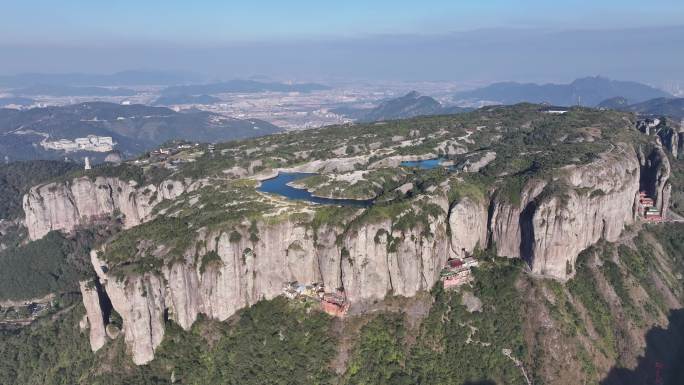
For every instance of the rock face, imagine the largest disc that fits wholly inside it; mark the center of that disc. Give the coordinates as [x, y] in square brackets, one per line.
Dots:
[468, 224]
[504, 226]
[96, 324]
[548, 224]
[368, 264]
[66, 205]
[597, 204]
[671, 139]
[654, 178]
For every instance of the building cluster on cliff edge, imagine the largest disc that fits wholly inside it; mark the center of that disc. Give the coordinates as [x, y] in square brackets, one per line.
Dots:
[335, 303]
[457, 272]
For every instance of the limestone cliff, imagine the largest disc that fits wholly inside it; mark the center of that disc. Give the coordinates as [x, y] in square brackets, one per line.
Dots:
[468, 225]
[96, 324]
[66, 205]
[596, 202]
[553, 222]
[372, 261]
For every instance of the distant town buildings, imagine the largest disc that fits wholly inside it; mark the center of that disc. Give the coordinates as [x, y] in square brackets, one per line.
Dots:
[90, 143]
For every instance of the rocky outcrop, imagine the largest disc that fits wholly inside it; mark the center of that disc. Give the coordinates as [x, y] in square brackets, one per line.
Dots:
[548, 224]
[370, 262]
[94, 315]
[504, 226]
[66, 205]
[596, 202]
[140, 302]
[468, 225]
[654, 177]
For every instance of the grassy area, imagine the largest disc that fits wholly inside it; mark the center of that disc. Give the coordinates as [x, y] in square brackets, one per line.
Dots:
[52, 264]
[584, 289]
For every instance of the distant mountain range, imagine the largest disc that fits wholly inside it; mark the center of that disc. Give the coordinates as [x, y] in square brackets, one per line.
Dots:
[62, 90]
[135, 128]
[672, 107]
[241, 86]
[185, 99]
[587, 91]
[124, 78]
[407, 106]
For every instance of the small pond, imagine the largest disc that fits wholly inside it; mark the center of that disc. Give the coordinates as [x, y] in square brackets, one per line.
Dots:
[279, 185]
[424, 164]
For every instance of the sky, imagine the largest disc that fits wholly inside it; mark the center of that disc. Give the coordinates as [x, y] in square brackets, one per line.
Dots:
[214, 21]
[356, 39]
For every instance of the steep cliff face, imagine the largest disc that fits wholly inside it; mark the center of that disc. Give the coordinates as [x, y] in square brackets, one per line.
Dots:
[368, 264]
[96, 324]
[228, 269]
[468, 225]
[505, 226]
[66, 205]
[597, 203]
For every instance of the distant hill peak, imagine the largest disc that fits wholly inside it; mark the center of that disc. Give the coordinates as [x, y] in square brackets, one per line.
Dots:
[588, 91]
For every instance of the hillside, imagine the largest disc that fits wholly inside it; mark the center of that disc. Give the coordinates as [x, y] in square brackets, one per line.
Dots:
[408, 106]
[134, 128]
[673, 107]
[616, 103]
[195, 283]
[17, 177]
[588, 91]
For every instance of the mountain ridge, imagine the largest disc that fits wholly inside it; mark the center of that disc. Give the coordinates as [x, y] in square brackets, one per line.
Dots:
[588, 91]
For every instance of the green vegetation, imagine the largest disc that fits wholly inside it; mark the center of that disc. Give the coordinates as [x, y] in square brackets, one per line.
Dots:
[472, 186]
[51, 351]
[616, 279]
[273, 342]
[209, 258]
[222, 206]
[16, 178]
[52, 264]
[584, 289]
[452, 345]
[372, 184]
[641, 264]
[379, 358]
[563, 311]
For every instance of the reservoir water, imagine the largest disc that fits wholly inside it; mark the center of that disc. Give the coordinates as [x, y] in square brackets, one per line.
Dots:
[279, 185]
[424, 164]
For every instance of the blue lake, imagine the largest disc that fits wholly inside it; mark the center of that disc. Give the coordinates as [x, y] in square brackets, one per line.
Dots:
[424, 164]
[279, 185]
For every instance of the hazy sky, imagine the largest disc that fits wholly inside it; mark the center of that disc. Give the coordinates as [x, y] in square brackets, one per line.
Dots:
[228, 21]
[427, 39]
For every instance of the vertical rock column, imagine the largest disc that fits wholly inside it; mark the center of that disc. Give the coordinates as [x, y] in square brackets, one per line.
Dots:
[91, 301]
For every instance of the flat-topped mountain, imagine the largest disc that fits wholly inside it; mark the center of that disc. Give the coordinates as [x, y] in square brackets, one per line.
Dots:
[420, 236]
[36, 133]
[587, 91]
